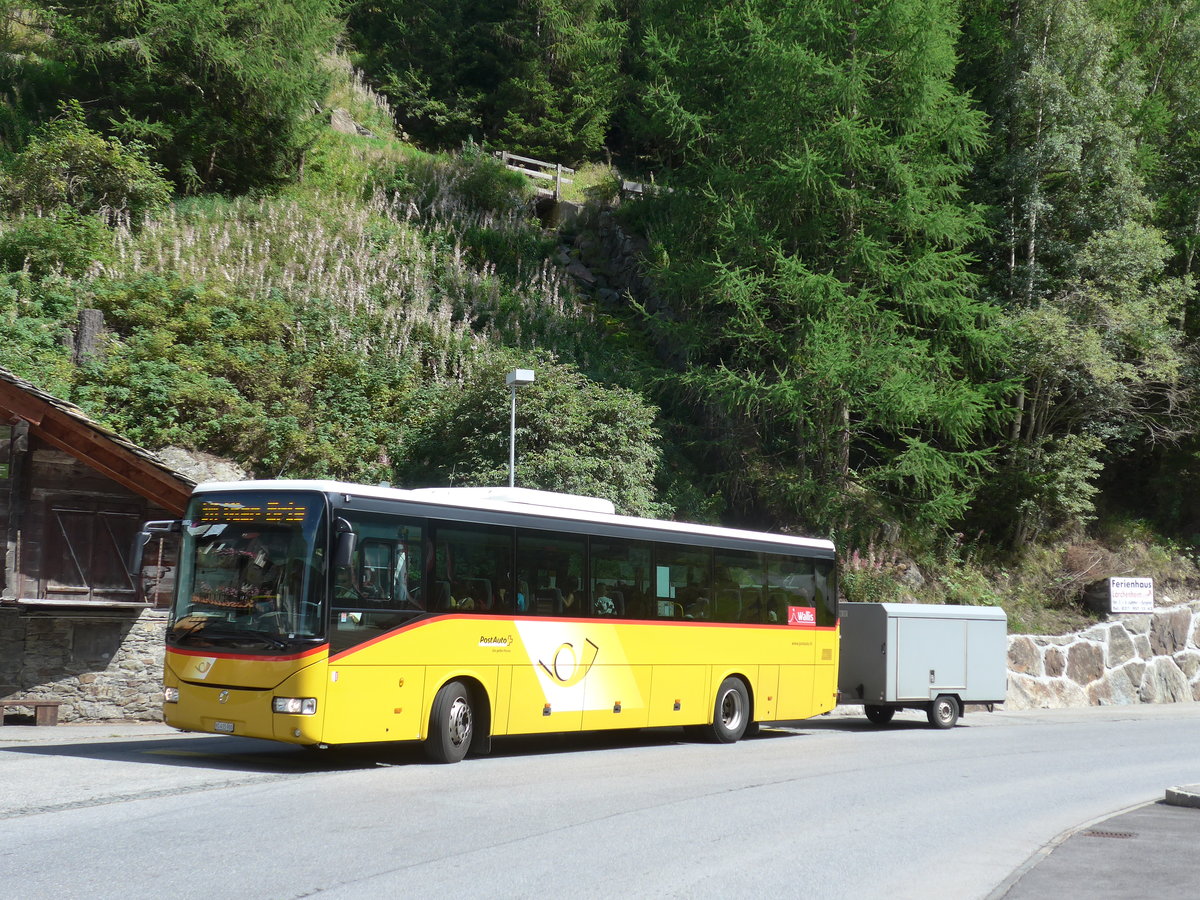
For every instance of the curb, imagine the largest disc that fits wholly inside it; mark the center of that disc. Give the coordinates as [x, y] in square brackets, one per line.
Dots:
[1188, 795]
[1053, 844]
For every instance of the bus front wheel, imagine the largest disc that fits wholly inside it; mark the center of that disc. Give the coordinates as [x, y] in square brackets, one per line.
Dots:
[451, 724]
[731, 713]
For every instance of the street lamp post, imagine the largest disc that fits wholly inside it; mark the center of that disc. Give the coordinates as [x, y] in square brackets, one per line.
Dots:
[512, 379]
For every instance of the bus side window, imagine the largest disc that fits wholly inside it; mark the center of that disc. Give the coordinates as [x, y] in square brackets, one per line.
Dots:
[552, 564]
[739, 576]
[472, 567]
[826, 592]
[619, 578]
[682, 581]
[375, 571]
[800, 581]
[385, 569]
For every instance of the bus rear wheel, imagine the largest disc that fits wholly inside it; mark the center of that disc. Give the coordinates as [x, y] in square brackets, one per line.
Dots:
[731, 713]
[451, 724]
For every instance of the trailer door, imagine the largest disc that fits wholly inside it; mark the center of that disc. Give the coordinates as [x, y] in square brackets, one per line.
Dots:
[931, 657]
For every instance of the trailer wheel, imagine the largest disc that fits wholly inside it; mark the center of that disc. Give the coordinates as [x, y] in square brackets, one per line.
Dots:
[451, 724]
[879, 715]
[731, 712]
[944, 711]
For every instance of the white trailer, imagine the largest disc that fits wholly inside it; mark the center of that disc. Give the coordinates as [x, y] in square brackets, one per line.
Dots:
[919, 656]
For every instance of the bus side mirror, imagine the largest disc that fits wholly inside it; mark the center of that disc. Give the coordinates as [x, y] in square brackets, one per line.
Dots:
[148, 532]
[347, 540]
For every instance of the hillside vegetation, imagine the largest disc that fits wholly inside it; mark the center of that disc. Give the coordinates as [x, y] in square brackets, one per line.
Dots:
[918, 276]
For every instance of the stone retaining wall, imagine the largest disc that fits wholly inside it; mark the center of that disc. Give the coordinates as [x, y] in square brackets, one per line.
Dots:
[100, 666]
[1147, 658]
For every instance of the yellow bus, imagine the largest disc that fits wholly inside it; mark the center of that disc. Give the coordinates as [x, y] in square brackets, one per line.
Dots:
[321, 613]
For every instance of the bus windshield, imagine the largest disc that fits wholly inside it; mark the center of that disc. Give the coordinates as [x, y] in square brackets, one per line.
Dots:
[252, 572]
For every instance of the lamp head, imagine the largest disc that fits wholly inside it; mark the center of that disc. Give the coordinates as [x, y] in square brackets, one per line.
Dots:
[519, 376]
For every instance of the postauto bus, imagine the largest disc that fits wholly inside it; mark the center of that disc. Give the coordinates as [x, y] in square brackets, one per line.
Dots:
[323, 613]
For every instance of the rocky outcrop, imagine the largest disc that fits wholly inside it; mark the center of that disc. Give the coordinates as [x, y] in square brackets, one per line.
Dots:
[1145, 658]
[200, 466]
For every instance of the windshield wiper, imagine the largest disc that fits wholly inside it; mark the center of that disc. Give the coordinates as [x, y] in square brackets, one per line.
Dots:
[181, 633]
[223, 635]
[268, 638]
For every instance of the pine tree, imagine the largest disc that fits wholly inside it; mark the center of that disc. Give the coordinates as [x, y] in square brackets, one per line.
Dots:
[226, 92]
[1074, 257]
[536, 76]
[812, 252]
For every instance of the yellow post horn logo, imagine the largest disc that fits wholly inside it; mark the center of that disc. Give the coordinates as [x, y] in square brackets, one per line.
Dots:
[568, 667]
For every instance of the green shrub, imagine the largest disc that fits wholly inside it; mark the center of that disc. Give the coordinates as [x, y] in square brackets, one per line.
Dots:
[573, 435]
[66, 164]
[62, 241]
[470, 183]
[870, 585]
[33, 316]
[487, 184]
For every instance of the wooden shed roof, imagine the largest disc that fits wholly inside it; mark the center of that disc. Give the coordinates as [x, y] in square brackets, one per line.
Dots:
[67, 427]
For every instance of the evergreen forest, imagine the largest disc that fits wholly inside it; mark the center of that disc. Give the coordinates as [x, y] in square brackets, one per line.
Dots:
[917, 275]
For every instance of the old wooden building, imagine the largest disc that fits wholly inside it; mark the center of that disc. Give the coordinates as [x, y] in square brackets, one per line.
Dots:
[74, 626]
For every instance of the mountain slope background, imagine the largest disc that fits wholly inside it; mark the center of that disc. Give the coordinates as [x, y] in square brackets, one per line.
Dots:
[915, 275]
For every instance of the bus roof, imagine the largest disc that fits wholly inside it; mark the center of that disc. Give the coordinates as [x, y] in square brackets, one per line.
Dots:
[546, 504]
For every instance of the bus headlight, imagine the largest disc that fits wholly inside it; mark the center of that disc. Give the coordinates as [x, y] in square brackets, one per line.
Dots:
[171, 695]
[295, 706]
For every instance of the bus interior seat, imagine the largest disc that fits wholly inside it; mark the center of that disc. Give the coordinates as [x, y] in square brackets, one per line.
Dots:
[481, 590]
[752, 605]
[728, 607]
[442, 596]
[547, 602]
[618, 600]
[775, 604]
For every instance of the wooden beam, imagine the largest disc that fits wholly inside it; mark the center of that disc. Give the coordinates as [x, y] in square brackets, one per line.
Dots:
[15, 402]
[95, 448]
[121, 465]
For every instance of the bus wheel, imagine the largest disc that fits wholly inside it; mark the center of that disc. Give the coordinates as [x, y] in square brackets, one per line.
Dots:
[943, 712]
[879, 715]
[731, 714]
[451, 724]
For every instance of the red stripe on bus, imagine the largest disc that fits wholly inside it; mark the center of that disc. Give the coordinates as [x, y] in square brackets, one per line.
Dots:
[357, 648]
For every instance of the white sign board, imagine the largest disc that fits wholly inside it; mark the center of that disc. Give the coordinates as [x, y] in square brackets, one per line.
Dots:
[1131, 595]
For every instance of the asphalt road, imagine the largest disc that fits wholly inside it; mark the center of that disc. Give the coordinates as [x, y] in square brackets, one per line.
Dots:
[831, 807]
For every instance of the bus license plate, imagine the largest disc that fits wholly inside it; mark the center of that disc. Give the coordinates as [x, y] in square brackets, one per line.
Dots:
[224, 727]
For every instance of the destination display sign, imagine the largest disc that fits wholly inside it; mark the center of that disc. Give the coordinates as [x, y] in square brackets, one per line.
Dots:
[272, 512]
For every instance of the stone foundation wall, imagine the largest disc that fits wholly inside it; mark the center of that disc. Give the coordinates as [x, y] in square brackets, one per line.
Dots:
[99, 665]
[1149, 658]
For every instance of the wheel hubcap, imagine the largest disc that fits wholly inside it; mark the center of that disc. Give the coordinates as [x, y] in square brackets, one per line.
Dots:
[731, 709]
[460, 722]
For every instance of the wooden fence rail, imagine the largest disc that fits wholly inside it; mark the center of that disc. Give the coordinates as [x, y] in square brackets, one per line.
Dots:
[538, 169]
